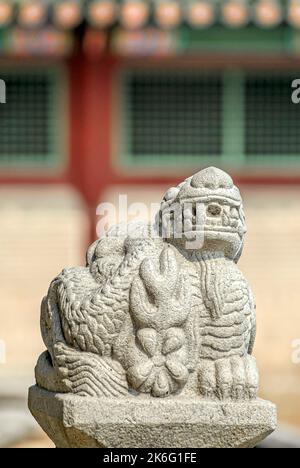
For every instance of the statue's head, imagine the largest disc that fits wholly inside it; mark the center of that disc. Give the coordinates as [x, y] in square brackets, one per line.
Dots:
[205, 212]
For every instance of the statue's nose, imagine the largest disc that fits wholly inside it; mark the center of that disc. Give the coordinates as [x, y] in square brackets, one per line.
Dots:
[214, 210]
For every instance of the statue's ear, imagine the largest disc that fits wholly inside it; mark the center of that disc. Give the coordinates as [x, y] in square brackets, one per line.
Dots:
[241, 246]
[91, 252]
[239, 252]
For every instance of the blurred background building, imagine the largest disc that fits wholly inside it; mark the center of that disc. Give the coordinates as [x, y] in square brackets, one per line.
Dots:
[106, 97]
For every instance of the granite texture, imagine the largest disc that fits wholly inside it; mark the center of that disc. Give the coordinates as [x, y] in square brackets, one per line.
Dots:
[163, 315]
[72, 421]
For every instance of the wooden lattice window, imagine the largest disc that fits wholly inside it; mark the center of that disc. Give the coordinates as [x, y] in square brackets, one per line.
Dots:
[194, 118]
[31, 121]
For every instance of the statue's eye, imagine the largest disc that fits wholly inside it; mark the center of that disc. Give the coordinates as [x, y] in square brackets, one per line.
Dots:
[214, 210]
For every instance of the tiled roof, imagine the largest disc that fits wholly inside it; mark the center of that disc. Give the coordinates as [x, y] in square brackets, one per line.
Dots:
[135, 14]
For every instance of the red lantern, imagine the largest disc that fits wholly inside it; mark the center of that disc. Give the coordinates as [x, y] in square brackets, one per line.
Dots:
[168, 13]
[200, 14]
[235, 13]
[67, 14]
[294, 13]
[6, 13]
[268, 13]
[102, 13]
[32, 14]
[134, 14]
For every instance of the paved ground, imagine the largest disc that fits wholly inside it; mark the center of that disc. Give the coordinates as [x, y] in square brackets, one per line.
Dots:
[42, 231]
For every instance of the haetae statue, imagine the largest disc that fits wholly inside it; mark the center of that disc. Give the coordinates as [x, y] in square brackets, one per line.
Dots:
[161, 315]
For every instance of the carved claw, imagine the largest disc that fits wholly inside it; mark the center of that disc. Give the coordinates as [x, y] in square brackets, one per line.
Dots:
[239, 382]
[252, 377]
[207, 378]
[224, 379]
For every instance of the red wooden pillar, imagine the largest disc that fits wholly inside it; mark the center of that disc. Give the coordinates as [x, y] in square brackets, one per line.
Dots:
[91, 107]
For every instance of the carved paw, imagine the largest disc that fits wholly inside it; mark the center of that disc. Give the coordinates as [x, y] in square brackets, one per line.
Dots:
[87, 374]
[231, 378]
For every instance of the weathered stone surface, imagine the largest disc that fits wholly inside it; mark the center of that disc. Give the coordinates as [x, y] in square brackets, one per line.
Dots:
[157, 313]
[72, 421]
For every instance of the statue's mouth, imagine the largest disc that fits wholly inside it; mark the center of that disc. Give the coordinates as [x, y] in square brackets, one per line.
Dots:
[208, 228]
[212, 226]
[213, 232]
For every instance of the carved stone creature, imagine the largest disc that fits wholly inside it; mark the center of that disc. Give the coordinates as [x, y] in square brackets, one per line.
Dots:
[165, 315]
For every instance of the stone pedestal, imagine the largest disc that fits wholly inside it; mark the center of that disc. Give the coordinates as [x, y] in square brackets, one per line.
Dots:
[73, 421]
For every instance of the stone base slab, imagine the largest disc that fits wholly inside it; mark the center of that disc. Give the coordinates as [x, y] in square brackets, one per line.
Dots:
[73, 421]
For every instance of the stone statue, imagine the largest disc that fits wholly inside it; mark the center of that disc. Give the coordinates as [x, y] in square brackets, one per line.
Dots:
[160, 316]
